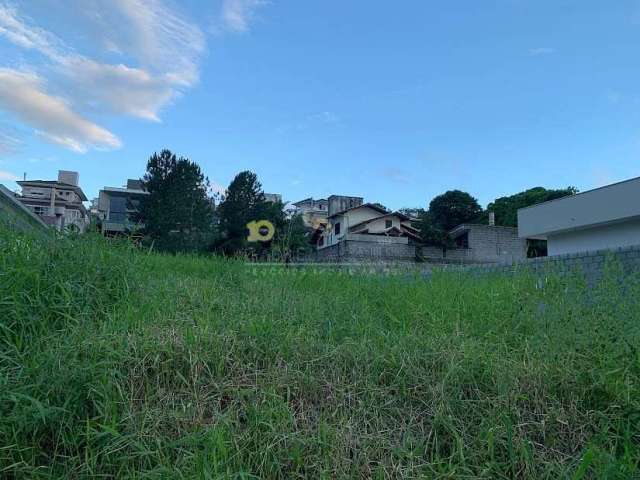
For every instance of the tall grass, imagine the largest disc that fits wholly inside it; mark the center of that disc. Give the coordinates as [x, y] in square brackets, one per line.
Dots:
[118, 363]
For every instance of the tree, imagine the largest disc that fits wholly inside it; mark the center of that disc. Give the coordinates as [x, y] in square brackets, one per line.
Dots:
[292, 239]
[244, 202]
[177, 213]
[506, 208]
[413, 212]
[445, 212]
[453, 208]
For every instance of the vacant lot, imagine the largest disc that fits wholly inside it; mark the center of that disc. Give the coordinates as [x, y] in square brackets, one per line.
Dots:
[119, 363]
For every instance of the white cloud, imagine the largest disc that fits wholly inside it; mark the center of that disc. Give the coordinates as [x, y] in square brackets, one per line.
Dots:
[237, 15]
[16, 31]
[24, 96]
[118, 88]
[536, 52]
[160, 53]
[8, 143]
[163, 39]
[7, 176]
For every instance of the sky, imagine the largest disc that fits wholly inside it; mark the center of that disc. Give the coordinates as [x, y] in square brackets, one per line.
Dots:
[394, 101]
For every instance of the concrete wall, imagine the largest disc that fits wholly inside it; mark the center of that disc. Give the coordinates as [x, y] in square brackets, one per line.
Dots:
[367, 248]
[487, 244]
[340, 203]
[495, 244]
[591, 265]
[623, 234]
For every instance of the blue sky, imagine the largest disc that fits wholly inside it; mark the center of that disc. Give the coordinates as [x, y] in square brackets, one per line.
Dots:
[393, 101]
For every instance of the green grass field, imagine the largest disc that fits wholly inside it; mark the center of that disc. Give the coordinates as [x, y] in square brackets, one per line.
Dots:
[116, 363]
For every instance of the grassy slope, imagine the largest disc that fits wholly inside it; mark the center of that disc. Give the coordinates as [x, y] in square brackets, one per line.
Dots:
[19, 219]
[114, 362]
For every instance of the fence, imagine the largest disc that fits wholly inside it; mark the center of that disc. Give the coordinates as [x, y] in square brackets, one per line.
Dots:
[590, 264]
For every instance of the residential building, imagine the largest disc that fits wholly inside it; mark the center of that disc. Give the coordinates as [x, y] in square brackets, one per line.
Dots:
[366, 219]
[59, 203]
[117, 208]
[365, 232]
[604, 218]
[314, 212]
[273, 197]
[340, 203]
[486, 244]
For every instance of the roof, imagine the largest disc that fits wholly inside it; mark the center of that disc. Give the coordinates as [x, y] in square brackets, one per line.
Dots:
[613, 203]
[401, 216]
[373, 206]
[124, 190]
[310, 199]
[465, 227]
[53, 184]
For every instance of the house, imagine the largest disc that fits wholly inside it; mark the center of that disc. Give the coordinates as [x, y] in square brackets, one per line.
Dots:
[486, 244]
[273, 197]
[604, 218]
[367, 219]
[314, 212]
[59, 203]
[365, 231]
[117, 207]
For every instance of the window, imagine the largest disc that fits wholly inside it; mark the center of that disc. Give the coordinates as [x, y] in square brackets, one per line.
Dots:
[463, 241]
[118, 209]
[336, 228]
[388, 223]
[39, 210]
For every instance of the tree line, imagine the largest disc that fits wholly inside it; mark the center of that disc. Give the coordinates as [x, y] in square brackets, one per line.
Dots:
[181, 214]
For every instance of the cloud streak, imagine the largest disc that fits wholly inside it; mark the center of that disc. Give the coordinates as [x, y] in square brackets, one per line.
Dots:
[237, 15]
[23, 95]
[8, 143]
[163, 46]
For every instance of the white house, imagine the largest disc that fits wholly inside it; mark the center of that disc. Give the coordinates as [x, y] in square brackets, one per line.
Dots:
[366, 219]
[603, 218]
[58, 203]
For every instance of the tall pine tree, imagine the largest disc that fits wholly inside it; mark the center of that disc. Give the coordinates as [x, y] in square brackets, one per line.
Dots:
[244, 202]
[177, 213]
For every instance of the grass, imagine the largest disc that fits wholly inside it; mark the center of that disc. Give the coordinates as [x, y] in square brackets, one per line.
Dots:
[116, 363]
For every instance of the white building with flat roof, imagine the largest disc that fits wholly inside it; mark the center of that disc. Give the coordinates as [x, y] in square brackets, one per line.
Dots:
[604, 218]
[59, 203]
